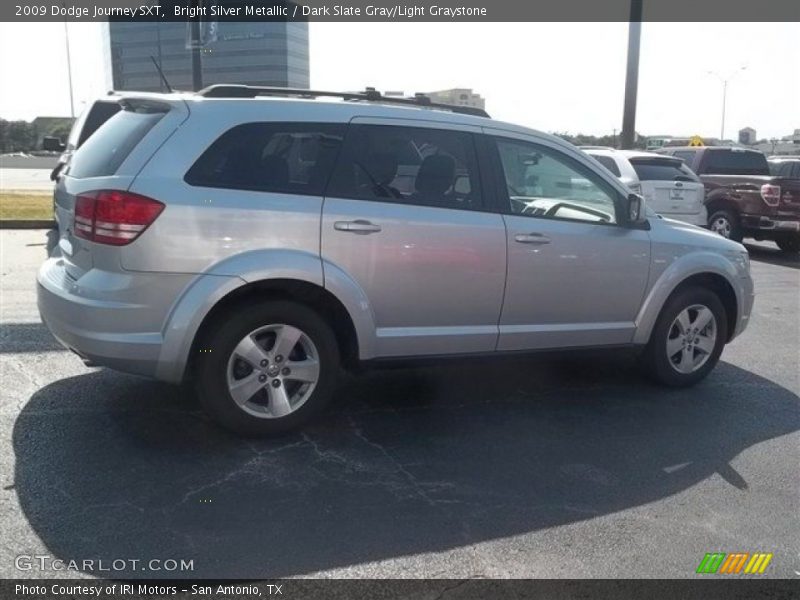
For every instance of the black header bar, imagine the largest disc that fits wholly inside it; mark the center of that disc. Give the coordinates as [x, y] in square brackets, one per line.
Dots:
[443, 11]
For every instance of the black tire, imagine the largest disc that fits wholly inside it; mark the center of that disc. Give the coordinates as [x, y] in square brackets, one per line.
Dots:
[731, 218]
[655, 359]
[216, 348]
[789, 243]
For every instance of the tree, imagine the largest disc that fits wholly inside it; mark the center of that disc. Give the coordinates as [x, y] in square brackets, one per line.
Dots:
[16, 136]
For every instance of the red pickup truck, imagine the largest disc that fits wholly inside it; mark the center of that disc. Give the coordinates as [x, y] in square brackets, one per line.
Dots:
[742, 198]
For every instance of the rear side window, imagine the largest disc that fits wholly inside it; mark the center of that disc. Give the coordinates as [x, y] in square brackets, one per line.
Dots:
[732, 162]
[409, 165]
[99, 113]
[608, 162]
[105, 151]
[292, 158]
[654, 169]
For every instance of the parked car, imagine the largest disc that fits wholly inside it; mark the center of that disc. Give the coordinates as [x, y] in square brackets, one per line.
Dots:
[90, 120]
[784, 166]
[617, 163]
[743, 198]
[258, 241]
[669, 187]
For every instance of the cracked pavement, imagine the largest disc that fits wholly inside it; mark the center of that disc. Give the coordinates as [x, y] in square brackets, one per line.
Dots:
[558, 467]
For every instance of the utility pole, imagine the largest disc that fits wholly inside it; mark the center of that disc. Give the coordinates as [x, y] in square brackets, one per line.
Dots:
[69, 70]
[724, 102]
[632, 76]
[197, 62]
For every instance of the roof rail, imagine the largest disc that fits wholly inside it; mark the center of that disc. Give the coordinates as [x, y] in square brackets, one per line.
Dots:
[224, 90]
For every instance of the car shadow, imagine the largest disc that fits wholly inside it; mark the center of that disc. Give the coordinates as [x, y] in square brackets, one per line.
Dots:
[409, 461]
[773, 255]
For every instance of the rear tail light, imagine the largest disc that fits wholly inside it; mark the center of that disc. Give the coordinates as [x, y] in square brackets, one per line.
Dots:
[771, 194]
[114, 217]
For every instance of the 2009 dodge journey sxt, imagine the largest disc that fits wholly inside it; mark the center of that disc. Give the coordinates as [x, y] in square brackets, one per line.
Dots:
[258, 241]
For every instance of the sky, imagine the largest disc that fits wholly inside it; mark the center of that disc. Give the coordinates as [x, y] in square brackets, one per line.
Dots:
[562, 77]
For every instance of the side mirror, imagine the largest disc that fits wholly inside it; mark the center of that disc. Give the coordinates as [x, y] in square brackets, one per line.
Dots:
[635, 212]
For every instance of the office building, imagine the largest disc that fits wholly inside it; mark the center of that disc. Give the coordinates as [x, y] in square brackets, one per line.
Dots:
[254, 53]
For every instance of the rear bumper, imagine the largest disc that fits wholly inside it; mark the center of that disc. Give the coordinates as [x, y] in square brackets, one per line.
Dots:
[120, 332]
[767, 224]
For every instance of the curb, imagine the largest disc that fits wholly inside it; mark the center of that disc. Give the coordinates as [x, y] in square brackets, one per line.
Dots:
[27, 224]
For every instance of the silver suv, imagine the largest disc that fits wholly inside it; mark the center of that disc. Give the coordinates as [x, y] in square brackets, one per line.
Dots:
[258, 241]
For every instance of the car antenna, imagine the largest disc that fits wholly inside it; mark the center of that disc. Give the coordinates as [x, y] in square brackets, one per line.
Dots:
[161, 74]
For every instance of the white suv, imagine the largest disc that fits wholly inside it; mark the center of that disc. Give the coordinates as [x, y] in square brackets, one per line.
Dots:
[670, 187]
[616, 162]
[256, 241]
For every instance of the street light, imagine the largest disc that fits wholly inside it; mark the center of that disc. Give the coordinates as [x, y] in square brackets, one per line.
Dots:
[725, 81]
[69, 67]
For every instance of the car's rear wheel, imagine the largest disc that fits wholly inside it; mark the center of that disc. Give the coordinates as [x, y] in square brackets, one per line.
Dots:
[725, 222]
[789, 243]
[267, 368]
[687, 339]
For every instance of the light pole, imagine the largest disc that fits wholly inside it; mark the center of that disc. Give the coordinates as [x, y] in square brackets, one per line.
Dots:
[725, 81]
[69, 72]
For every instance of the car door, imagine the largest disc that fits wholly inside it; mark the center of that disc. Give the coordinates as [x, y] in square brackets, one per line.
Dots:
[406, 217]
[576, 277]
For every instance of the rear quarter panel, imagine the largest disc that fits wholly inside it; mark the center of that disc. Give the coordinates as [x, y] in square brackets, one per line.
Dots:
[202, 226]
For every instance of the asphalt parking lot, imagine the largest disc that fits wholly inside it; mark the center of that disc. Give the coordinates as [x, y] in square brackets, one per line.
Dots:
[568, 467]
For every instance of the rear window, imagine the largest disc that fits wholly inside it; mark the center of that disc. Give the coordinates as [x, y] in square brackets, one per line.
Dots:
[662, 170]
[608, 162]
[732, 162]
[292, 158]
[105, 151]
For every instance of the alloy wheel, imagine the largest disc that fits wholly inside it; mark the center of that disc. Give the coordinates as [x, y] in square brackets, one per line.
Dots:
[273, 370]
[722, 226]
[691, 338]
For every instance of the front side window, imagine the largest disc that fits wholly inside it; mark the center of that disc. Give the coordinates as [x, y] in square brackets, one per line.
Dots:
[292, 158]
[541, 182]
[408, 165]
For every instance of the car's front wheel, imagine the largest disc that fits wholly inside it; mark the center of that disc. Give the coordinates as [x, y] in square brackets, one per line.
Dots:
[267, 368]
[687, 339]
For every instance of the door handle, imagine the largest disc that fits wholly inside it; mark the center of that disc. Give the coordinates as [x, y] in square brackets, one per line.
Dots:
[532, 238]
[358, 226]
